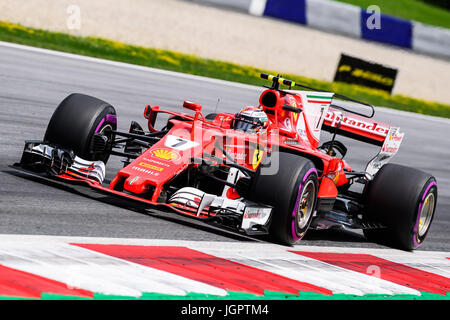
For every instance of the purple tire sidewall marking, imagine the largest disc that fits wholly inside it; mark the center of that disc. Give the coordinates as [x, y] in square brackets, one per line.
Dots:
[109, 118]
[416, 227]
[300, 189]
[99, 125]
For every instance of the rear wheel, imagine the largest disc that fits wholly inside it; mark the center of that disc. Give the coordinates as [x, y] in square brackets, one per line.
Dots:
[75, 121]
[292, 191]
[404, 200]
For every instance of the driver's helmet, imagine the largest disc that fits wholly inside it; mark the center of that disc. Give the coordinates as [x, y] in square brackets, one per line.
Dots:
[251, 120]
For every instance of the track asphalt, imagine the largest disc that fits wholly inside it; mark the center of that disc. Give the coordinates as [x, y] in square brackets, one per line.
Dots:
[33, 82]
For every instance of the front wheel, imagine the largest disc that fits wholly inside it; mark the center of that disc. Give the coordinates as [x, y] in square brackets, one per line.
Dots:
[292, 191]
[75, 121]
[404, 200]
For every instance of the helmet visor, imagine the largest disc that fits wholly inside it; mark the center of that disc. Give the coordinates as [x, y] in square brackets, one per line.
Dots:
[245, 125]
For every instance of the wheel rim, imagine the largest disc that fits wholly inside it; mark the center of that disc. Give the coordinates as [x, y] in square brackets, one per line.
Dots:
[107, 131]
[306, 204]
[426, 213]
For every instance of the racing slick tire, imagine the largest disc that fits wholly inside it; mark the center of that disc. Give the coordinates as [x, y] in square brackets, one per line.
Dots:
[75, 121]
[292, 191]
[404, 200]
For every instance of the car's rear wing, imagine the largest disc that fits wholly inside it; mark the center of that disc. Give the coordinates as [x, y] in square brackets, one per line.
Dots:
[366, 130]
[355, 127]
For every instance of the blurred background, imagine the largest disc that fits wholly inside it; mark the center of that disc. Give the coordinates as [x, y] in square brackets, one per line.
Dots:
[392, 54]
[305, 38]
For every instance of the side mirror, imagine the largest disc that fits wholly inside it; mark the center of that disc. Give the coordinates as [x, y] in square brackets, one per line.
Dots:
[192, 106]
[147, 111]
[291, 108]
[150, 114]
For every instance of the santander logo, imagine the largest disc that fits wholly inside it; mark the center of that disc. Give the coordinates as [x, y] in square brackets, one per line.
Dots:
[368, 126]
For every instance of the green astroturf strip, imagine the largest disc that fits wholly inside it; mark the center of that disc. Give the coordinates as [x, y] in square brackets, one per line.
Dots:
[269, 295]
[319, 97]
[52, 296]
[16, 298]
[191, 64]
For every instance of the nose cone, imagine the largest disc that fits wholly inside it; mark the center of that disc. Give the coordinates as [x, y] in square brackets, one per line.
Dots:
[136, 184]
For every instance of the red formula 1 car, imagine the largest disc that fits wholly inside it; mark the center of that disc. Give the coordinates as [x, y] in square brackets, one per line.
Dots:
[262, 170]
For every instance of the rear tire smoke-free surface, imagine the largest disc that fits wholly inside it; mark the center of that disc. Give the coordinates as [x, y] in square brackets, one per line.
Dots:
[75, 121]
[292, 191]
[404, 200]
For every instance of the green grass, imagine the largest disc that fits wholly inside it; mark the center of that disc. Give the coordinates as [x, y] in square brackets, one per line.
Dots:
[175, 61]
[408, 9]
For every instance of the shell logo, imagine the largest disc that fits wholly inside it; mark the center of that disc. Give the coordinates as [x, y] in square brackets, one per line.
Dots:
[166, 154]
[294, 104]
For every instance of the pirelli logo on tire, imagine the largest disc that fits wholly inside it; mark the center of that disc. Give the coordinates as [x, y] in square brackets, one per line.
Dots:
[364, 73]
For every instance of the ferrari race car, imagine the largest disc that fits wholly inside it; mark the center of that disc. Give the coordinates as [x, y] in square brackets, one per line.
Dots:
[260, 171]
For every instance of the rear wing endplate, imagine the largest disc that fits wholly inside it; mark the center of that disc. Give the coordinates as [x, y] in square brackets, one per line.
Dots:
[389, 148]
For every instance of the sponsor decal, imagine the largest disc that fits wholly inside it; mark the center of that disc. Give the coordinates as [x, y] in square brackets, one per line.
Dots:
[159, 163]
[294, 104]
[257, 157]
[392, 142]
[236, 156]
[166, 154]
[291, 101]
[237, 152]
[252, 213]
[388, 150]
[150, 172]
[255, 216]
[133, 180]
[371, 127]
[225, 118]
[240, 146]
[287, 124]
[291, 142]
[302, 133]
[150, 166]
